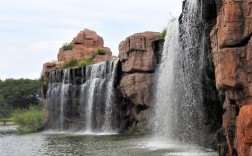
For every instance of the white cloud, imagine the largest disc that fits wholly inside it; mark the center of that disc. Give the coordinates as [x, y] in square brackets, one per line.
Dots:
[32, 31]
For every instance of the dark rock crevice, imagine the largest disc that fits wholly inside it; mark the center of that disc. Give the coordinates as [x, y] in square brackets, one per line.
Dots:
[242, 44]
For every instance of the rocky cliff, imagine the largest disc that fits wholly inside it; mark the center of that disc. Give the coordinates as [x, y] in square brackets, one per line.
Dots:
[135, 73]
[138, 65]
[231, 45]
[85, 45]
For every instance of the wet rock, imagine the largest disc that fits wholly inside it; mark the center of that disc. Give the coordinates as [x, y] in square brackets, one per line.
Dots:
[157, 46]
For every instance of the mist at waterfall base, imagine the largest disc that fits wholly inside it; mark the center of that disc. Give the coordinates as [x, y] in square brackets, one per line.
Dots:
[83, 99]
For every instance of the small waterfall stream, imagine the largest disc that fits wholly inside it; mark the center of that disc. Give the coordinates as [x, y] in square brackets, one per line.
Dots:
[179, 94]
[166, 92]
[82, 99]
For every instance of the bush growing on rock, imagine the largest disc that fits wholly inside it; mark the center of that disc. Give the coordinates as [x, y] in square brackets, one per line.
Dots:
[101, 51]
[67, 46]
[162, 34]
[85, 62]
[70, 64]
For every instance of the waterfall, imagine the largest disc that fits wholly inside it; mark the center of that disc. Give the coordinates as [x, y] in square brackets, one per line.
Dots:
[83, 99]
[179, 95]
[165, 90]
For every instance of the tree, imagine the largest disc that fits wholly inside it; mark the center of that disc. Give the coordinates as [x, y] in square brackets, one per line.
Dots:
[5, 109]
[19, 93]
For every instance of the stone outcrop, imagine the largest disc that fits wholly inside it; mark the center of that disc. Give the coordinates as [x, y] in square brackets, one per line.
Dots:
[85, 45]
[231, 45]
[138, 65]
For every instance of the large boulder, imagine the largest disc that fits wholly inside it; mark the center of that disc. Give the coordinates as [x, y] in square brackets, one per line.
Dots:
[85, 45]
[136, 53]
[138, 65]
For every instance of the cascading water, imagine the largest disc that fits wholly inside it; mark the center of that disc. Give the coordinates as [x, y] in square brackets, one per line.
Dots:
[179, 94]
[82, 99]
[165, 89]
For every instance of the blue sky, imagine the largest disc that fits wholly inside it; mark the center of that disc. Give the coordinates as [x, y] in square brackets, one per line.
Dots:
[32, 31]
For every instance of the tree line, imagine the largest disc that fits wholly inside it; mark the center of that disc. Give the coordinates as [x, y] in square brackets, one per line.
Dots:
[18, 94]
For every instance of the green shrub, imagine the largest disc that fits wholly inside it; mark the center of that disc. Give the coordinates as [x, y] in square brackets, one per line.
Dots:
[86, 62]
[101, 51]
[67, 46]
[70, 64]
[29, 120]
[162, 34]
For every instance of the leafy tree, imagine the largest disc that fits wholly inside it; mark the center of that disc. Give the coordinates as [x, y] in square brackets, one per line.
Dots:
[19, 93]
[5, 109]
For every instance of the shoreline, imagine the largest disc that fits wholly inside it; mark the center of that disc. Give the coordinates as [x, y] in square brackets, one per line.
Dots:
[9, 123]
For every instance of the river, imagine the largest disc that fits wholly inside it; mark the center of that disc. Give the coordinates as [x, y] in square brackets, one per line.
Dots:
[80, 144]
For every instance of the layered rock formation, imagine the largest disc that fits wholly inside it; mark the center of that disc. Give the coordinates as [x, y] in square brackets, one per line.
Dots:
[232, 56]
[85, 45]
[138, 65]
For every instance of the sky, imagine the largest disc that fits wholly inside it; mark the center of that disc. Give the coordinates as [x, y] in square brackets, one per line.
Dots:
[32, 31]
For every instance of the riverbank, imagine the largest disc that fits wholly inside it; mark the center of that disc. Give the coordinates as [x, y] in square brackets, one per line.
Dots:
[8, 123]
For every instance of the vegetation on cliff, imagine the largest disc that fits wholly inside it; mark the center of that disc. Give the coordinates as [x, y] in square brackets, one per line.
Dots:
[101, 51]
[70, 64]
[86, 62]
[82, 63]
[67, 46]
[162, 34]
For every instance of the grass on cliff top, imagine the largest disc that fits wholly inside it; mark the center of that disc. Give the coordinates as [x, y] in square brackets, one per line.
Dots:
[70, 64]
[29, 120]
[74, 63]
[86, 62]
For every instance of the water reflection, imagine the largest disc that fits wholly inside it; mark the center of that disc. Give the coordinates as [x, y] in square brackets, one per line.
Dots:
[68, 144]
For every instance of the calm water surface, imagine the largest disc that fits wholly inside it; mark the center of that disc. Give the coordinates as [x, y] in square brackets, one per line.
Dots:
[79, 144]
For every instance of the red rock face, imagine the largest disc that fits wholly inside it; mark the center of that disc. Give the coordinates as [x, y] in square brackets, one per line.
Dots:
[231, 45]
[244, 131]
[136, 53]
[136, 87]
[138, 64]
[85, 45]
